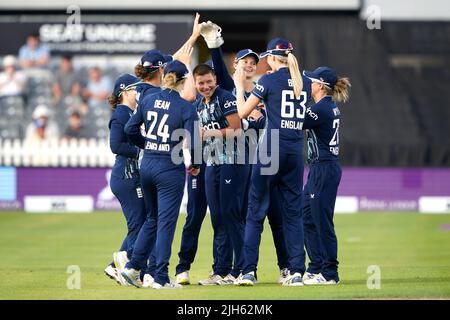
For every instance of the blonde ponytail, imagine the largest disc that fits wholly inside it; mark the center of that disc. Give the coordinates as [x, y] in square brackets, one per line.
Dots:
[170, 82]
[341, 90]
[296, 77]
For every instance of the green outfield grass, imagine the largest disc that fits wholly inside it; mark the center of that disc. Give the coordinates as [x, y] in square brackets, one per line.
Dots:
[412, 251]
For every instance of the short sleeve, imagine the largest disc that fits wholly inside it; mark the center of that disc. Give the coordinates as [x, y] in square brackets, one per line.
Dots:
[313, 117]
[229, 103]
[261, 87]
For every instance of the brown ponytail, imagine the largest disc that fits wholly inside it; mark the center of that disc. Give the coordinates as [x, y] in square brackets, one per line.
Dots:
[142, 73]
[341, 90]
[114, 100]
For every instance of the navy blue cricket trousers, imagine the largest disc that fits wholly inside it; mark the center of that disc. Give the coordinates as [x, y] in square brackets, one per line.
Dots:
[319, 198]
[289, 181]
[162, 183]
[196, 211]
[133, 208]
[225, 188]
[275, 218]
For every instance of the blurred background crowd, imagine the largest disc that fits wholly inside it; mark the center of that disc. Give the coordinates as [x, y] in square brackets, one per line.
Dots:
[398, 61]
[44, 97]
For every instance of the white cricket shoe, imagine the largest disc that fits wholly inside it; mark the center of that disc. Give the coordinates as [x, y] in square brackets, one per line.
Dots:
[120, 259]
[167, 285]
[183, 278]
[320, 280]
[113, 274]
[309, 275]
[148, 281]
[211, 280]
[226, 281]
[132, 276]
[247, 279]
[284, 275]
[294, 280]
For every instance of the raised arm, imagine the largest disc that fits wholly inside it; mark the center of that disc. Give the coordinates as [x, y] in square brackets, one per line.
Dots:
[192, 39]
[189, 91]
[224, 79]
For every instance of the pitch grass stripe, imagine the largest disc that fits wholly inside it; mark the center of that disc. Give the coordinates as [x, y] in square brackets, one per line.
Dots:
[411, 250]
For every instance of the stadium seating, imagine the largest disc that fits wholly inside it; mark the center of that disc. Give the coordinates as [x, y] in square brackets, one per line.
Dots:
[398, 112]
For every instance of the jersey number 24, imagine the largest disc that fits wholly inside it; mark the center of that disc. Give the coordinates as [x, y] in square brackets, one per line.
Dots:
[163, 128]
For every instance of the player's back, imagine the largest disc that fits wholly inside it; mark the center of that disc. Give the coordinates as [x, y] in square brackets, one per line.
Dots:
[145, 89]
[323, 120]
[284, 112]
[163, 113]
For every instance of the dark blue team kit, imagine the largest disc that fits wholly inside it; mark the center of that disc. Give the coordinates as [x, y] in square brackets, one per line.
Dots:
[237, 220]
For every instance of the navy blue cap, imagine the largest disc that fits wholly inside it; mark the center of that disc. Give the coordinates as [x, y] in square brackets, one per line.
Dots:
[278, 47]
[167, 58]
[324, 75]
[153, 60]
[124, 82]
[210, 64]
[178, 68]
[245, 53]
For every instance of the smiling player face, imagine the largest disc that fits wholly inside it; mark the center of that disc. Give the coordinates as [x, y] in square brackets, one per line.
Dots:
[206, 84]
[248, 64]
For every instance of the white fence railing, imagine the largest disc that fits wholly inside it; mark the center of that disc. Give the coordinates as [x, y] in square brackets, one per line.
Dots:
[56, 153]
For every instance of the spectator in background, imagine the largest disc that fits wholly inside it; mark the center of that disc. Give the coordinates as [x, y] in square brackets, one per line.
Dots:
[12, 82]
[41, 128]
[33, 54]
[65, 83]
[75, 129]
[97, 89]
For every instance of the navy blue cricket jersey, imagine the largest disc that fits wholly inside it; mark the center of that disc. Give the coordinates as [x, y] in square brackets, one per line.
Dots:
[162, 113]
[126, 164]
[145, 89]
[284, 112]
[322, 120]
[213, 117]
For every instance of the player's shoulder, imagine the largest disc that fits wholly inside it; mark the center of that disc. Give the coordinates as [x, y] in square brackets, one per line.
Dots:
[324, 107]
[120, 110]
[224, 94]
[121, 113]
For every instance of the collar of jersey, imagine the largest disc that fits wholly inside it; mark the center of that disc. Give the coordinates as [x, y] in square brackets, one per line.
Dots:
[124, 106]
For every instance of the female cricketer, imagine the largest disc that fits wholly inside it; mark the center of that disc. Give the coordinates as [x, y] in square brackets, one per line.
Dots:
[125, 180]
[281, 92]
[162, 179]
[248, 60]
[319, 194]
[223, 174]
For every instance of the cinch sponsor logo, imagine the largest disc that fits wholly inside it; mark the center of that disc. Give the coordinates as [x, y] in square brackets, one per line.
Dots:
[312, 114]
[212, 126]
[229, 104]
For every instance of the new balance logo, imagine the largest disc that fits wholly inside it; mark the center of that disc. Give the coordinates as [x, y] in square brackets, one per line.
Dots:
[227, 181]
[312, 195]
